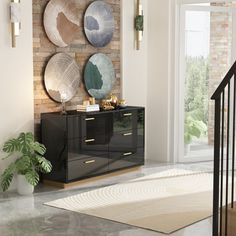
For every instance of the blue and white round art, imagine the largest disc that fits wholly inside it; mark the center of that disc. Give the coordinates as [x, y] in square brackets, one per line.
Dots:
[99, 76]
[99, 23]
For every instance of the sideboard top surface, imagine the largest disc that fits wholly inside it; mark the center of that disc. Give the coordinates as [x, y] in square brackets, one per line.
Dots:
[75, 113]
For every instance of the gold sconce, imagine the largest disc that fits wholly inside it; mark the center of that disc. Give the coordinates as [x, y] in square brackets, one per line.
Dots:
[15, 14]
[139, 24]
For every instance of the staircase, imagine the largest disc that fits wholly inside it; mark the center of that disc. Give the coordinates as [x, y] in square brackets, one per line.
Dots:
[224, 208]
[231, 225]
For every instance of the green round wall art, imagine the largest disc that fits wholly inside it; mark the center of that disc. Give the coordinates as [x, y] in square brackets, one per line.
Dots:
[99, 76]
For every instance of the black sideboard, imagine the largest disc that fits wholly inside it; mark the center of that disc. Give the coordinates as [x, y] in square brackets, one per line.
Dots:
[81, 145]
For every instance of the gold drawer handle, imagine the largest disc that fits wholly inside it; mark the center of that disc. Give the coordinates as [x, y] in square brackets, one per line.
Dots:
[128, 114]
[89, 119]
[127, 154]
[89, 162]
[128, 134]
[89, 140]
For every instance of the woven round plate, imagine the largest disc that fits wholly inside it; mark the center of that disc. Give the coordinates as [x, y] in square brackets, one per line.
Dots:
[62, 77]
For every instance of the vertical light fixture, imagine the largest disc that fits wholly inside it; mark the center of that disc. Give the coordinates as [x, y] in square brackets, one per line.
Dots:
[15, 14]
[139, 23]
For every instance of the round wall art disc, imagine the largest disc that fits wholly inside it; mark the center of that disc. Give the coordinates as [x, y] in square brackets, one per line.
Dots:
[99, 23]
[61, 21]
[62, 77]
[99, 76]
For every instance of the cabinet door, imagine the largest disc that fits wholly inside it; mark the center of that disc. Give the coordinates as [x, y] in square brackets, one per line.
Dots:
[53, 129]
[87, 167]
[124, 120]
[141, 118]
[73, 127]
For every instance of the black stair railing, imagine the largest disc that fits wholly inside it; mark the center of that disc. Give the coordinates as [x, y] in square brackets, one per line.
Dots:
[224, 153]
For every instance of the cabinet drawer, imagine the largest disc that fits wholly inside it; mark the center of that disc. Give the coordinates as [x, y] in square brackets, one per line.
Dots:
[87, 167]
[93, 125]
[118, 160]
[82, 148]
[123, 141]
[124, 120]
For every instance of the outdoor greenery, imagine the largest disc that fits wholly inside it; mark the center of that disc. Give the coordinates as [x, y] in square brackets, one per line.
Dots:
[196, 98]
[30, 161]
[193, 128]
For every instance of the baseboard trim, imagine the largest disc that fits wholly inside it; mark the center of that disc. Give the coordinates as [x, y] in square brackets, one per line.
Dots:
[89, 180]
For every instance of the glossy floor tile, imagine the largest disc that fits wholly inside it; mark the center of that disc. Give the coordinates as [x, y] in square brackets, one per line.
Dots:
[27, 216]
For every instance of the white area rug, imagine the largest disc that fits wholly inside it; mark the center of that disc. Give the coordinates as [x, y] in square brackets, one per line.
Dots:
[163, 202]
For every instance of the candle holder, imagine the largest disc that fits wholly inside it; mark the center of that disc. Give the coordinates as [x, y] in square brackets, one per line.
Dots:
[139, 24]
[63, 103]
[63, 108]
[15, 13]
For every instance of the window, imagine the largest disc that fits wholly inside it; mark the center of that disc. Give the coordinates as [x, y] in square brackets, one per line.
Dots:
[206, 52]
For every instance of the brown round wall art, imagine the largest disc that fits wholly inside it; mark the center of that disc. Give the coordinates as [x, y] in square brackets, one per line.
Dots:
[62, 77]
[61, 21]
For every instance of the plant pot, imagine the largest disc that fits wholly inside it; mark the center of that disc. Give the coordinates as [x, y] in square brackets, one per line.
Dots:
[23, 187]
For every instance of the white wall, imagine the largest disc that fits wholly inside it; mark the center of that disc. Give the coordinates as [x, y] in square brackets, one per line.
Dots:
[134, 62]
[158, 92]
[16, 68]
[147, 73]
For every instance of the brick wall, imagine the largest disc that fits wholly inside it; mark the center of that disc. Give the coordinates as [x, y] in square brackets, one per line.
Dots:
[80, 49]
[220, 58]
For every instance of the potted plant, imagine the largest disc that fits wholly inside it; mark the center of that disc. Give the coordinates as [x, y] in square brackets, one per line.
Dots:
[193, 128]
[29, 163]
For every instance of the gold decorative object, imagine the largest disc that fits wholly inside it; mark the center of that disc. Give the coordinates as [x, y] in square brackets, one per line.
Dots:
[15, 13]
[92, 101]
[139, 24]
[106, 105]
[122, 103]
[113, 100]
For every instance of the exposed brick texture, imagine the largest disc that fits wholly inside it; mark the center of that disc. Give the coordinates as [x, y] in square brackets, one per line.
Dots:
[80, 49]
[220, 58]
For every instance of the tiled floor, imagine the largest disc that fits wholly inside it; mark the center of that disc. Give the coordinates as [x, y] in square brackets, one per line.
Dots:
[27, 216]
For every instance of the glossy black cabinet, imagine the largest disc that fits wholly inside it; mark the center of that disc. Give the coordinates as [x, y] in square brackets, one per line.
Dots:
[82, 145]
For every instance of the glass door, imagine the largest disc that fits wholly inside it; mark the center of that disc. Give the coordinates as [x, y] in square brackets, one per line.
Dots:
[206, 52]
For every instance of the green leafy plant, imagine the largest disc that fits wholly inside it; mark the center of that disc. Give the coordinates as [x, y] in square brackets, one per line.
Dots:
[30, 161]
[193, 128]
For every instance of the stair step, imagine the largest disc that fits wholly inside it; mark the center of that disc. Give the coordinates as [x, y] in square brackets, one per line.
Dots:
[231, 221]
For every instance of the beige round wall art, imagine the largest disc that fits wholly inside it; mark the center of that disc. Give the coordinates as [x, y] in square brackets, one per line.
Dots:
[61, 21]
[62, 77]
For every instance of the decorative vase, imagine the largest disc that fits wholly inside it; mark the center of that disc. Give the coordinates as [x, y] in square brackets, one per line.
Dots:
[23, 187]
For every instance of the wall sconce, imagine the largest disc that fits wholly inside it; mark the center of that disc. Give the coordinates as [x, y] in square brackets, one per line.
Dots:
[139, 24]
[15, 14]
